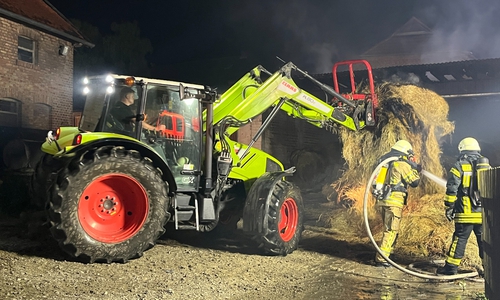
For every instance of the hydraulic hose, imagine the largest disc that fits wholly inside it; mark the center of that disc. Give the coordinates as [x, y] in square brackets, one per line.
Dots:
[368, 230]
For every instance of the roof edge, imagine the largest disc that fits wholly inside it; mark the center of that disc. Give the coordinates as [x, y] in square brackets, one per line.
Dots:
[66, 19]
[44, 27]
[456, 62]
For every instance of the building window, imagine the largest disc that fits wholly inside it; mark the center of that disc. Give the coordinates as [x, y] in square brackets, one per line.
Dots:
[26, 49]
[10, 112]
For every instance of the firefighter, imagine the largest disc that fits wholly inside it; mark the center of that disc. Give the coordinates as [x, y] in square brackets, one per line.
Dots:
[401, 173]
[462, 202]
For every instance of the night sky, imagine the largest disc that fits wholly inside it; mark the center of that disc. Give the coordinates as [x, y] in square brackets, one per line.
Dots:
[312, 34]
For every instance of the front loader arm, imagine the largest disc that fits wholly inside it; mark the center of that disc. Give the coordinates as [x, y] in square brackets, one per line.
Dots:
[251, 96]
[303, 105]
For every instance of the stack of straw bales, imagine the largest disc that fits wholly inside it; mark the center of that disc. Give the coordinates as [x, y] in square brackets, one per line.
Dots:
[421, 117]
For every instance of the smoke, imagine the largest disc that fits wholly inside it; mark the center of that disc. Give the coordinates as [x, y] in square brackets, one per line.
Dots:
[315, 35]
[324, 55]
[309, 39]
[463, 28]
[401, 77]
[324, 33]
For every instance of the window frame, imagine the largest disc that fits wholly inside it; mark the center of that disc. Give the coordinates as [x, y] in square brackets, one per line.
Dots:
[18, 112]
[32, 51]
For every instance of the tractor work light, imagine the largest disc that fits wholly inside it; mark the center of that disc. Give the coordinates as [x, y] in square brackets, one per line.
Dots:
[109, 78]
[129, 81]
[110, 90]
[85, 80]
[86, 90]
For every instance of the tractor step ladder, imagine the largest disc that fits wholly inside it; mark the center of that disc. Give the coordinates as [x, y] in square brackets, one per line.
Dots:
[184, 208]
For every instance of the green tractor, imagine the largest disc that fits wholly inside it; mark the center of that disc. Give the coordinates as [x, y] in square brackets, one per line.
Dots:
[150, 152]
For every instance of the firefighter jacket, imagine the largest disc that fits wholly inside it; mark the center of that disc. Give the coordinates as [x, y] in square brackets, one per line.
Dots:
[401, 174]
[462, 190]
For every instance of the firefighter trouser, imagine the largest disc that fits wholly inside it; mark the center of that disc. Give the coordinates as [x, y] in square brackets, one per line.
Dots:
[391, 217]
[460, 238]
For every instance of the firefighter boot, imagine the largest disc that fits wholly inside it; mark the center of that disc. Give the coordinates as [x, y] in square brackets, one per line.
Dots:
[448, 269]
[379, 261]
[480, 270]
[383, 264]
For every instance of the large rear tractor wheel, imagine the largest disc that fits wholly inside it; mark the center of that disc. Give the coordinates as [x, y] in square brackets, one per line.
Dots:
[284, 220]
[110, 206]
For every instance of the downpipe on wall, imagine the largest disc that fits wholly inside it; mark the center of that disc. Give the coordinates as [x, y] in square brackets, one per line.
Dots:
[420, 274]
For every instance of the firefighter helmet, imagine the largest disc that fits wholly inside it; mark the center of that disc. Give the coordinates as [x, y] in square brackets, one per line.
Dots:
[404, 147]
[468, 144]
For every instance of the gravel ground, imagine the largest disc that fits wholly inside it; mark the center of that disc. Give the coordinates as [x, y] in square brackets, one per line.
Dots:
[190, 265]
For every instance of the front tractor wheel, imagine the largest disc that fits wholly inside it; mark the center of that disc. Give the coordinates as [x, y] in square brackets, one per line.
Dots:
[109, 207]
[285, 220]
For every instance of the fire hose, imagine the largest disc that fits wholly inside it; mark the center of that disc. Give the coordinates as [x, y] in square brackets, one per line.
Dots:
[421, 274]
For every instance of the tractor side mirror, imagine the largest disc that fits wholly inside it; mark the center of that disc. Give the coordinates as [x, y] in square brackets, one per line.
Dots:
[207, 95]
[181, 91]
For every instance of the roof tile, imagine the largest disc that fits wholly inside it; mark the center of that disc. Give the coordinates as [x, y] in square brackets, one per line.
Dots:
[42, 12]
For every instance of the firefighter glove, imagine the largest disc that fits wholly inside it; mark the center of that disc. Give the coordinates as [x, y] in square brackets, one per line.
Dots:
[449, 213]
[414, 165]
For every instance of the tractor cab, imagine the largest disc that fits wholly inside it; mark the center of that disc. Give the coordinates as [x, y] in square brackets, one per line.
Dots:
[151, 111]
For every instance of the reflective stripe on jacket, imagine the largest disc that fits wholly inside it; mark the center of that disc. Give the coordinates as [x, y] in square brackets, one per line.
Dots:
[401, 175]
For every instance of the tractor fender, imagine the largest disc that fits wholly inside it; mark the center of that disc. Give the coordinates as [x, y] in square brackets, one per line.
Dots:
[255, 212]
[157, 160]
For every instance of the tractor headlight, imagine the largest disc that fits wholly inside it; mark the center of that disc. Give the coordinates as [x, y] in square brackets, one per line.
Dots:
[110, 90]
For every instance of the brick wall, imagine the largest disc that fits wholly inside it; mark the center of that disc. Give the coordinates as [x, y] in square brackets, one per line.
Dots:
[245, 134]
[44, 88]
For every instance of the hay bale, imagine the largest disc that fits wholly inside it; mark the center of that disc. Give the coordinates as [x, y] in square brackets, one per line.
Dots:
[421, 117]
[402, 114]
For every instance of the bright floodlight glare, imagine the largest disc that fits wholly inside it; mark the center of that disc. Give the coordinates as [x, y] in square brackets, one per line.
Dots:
[85, 80]
[109, 78]
[86, 90]
[188, 101]
[110, 90]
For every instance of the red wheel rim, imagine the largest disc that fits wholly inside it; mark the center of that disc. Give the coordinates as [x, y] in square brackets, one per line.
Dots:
[113, 208]
[289, 218]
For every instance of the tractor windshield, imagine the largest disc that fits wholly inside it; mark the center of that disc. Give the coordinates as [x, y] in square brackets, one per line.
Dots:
[177, 137]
